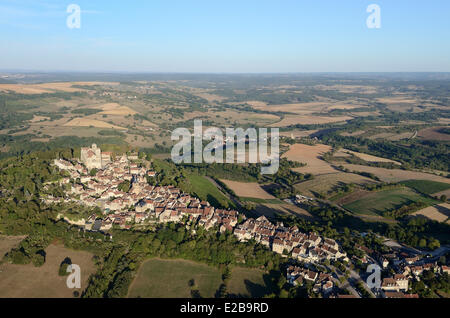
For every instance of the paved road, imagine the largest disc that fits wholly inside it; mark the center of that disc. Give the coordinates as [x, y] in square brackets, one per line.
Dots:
[435, 254]
[358, 278]
[346, 285]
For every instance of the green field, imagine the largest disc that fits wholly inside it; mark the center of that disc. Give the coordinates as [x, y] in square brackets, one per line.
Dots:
[163, 278]
[248, 282]
[158, 278]
[425, 186]
[375, 203]
[205, 190]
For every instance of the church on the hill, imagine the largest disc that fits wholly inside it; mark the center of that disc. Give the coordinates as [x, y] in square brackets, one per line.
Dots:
[93, 157]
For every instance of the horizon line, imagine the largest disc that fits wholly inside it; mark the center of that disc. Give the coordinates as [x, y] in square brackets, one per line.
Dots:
[217, 73]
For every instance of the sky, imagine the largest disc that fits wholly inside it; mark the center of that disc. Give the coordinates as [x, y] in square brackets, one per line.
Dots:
[225, 36]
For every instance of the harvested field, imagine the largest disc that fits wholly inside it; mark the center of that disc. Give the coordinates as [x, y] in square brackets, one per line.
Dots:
[310, 155]
[298, 133]
[343, 107]
[380, 136]
[433, 134]
[27, 281]
[116, 109]
[400, 136]
[355, 133]
[349, 88]
[210, 97]
[445, 121]
[41, 88]
[309, 120]
[298, 108]
[7, 243]
[327, 182]
[440, 212]
[254, 103]
[396, 175]
[262, 118]
[366, 157]
[341, 154]
[248, 190]
[445, 192]
[86, 122]
[62, 87]
[269, 210]
[232, 116]
[364, 114]
[37, 119]
[392, 136]
[396, 100]
[23, 89]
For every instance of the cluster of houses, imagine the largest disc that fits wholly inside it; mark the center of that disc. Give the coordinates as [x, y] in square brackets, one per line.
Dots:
[397, 285]
[407, 266]
[142, 202]
[289, 240]
[322, 282]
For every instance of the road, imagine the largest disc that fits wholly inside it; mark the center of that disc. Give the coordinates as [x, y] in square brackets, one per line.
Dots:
[346, 285]
[434, 254]
[358, 278]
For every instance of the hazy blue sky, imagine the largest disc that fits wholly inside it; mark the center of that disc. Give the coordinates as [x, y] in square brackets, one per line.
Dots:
[225, 36]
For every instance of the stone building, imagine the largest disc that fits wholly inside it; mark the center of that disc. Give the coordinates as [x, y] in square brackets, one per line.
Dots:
[93, 157]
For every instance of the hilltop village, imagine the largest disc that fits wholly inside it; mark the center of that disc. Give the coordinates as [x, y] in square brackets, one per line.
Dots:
[145, 203]
[95, 180]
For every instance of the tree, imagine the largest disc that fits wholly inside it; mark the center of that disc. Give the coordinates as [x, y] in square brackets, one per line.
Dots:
[249, 206]
[63, 267]
[226, 274]
[423, 243]
[222, 291]
[38, 259]
[434, 244]
[98, 212]
[195, 293]
[124, 186]
[18, 256]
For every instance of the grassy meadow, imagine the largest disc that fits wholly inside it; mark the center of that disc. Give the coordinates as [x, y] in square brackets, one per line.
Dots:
[426, 186]
[206, 190]
[374, 203]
